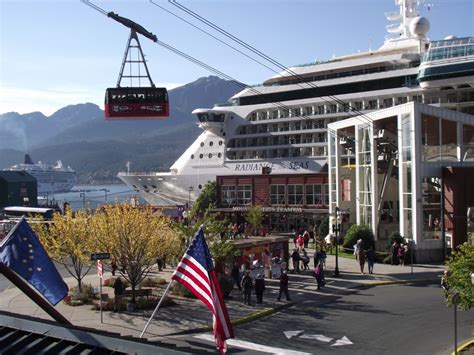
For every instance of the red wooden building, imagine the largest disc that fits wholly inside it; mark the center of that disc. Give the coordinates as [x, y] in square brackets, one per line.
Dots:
[288, 201]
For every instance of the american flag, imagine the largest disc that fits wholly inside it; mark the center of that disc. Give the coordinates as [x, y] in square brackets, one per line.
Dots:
[196, 272]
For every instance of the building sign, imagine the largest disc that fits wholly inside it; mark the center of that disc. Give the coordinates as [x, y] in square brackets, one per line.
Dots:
[270, 209]
[280, 167]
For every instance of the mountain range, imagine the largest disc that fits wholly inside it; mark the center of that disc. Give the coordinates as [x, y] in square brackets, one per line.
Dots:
[97, 149]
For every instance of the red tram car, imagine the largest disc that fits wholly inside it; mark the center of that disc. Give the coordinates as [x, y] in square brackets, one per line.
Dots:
[140, 103]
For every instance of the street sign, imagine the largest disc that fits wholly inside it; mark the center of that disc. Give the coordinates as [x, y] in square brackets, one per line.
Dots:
[99, 268]
[100, 256]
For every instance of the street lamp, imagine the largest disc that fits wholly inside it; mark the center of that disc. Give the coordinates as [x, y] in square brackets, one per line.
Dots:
[190, 189]
[105, 191]
[336, 229]
[83, 195]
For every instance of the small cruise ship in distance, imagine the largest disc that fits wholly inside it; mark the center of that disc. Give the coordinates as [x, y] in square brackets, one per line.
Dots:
[51, 178]
[282, 124]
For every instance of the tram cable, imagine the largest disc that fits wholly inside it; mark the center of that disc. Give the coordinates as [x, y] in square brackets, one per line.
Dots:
[264, 56]
[210, 68]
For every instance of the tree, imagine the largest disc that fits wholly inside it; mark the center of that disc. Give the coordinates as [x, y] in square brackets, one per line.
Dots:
[135, 237]
[460, 266]
[324, 227]
[69, 241]
[356, 232]
[255, 216]
[206, 199]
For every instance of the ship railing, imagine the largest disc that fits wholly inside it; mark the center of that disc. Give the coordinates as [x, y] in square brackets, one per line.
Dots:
[124, 173]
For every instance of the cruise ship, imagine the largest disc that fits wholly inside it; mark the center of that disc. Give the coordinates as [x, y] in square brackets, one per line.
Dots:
[282, 124]
[51, 178]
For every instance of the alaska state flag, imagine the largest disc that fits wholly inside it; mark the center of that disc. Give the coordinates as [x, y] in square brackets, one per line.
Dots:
[22, 252]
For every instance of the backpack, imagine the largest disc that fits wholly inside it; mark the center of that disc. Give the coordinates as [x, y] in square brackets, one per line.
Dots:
[247, 282]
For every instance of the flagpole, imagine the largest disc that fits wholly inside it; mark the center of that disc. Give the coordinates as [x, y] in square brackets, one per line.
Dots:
[156, 309]
[40, 301]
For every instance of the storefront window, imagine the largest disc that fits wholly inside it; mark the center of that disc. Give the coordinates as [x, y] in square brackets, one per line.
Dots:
[277, 194]
[228, 195]
[449, 141]
[313, 195]
[431, 204]
[295, 194]
[244, 195]
[468, 142]
[430, 138]
[365, 174]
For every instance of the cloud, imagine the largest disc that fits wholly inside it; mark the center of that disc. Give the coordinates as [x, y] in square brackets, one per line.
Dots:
[48, 101]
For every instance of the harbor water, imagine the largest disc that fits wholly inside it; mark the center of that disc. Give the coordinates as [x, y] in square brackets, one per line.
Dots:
[92, 196]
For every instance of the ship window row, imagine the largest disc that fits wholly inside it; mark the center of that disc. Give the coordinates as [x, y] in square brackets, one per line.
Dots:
[323, 109]
[211, 117]
[278, 140]
[442, 141]
[448, 52]
[284, 126]
[277, 153]
[211, 143]
[209, 155]
[341, 89]
[379, 69]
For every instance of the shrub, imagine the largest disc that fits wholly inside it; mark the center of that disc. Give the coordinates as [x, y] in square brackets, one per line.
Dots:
[151, 302]
[356, 232]
[153, 282]
[180, 290]
[77, 297]
[387, 259]
[106, 306]
[396, 237]
[111, 281]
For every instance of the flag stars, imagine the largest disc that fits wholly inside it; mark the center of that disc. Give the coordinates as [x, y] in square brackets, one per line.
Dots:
[24, 261]
[38, 269]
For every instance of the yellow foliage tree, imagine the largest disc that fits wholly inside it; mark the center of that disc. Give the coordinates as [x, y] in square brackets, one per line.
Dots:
[69, 241]
[134, 237]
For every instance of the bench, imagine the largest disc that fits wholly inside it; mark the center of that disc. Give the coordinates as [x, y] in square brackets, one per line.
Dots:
[138, 293]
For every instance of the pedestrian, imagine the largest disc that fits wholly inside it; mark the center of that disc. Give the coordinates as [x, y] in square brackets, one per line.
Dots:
[113, 266]
[445, 282]
[357, 248]
[247, 285]
[371, 256]
[295, 237]
[305, 260]
[318, 274]
[401, 255]
[118, 294]
[159, 262]
[284, 286]
[235, 231]
[295, 257]
[311, 233]
[394, 253]
[361, 258]
[259, 287]
[236, 275]
[299, 242]
[329, 239]
[305, 239]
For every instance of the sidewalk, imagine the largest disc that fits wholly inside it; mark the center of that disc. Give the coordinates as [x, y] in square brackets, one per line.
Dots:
[190, 315]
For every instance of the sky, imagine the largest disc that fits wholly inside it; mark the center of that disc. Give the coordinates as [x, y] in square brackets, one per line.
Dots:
[54, 53]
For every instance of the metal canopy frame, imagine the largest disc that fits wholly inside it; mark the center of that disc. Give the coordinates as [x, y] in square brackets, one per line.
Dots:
[127, 59]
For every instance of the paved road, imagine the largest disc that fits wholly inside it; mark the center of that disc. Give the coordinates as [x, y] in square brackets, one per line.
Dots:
[396, 319]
